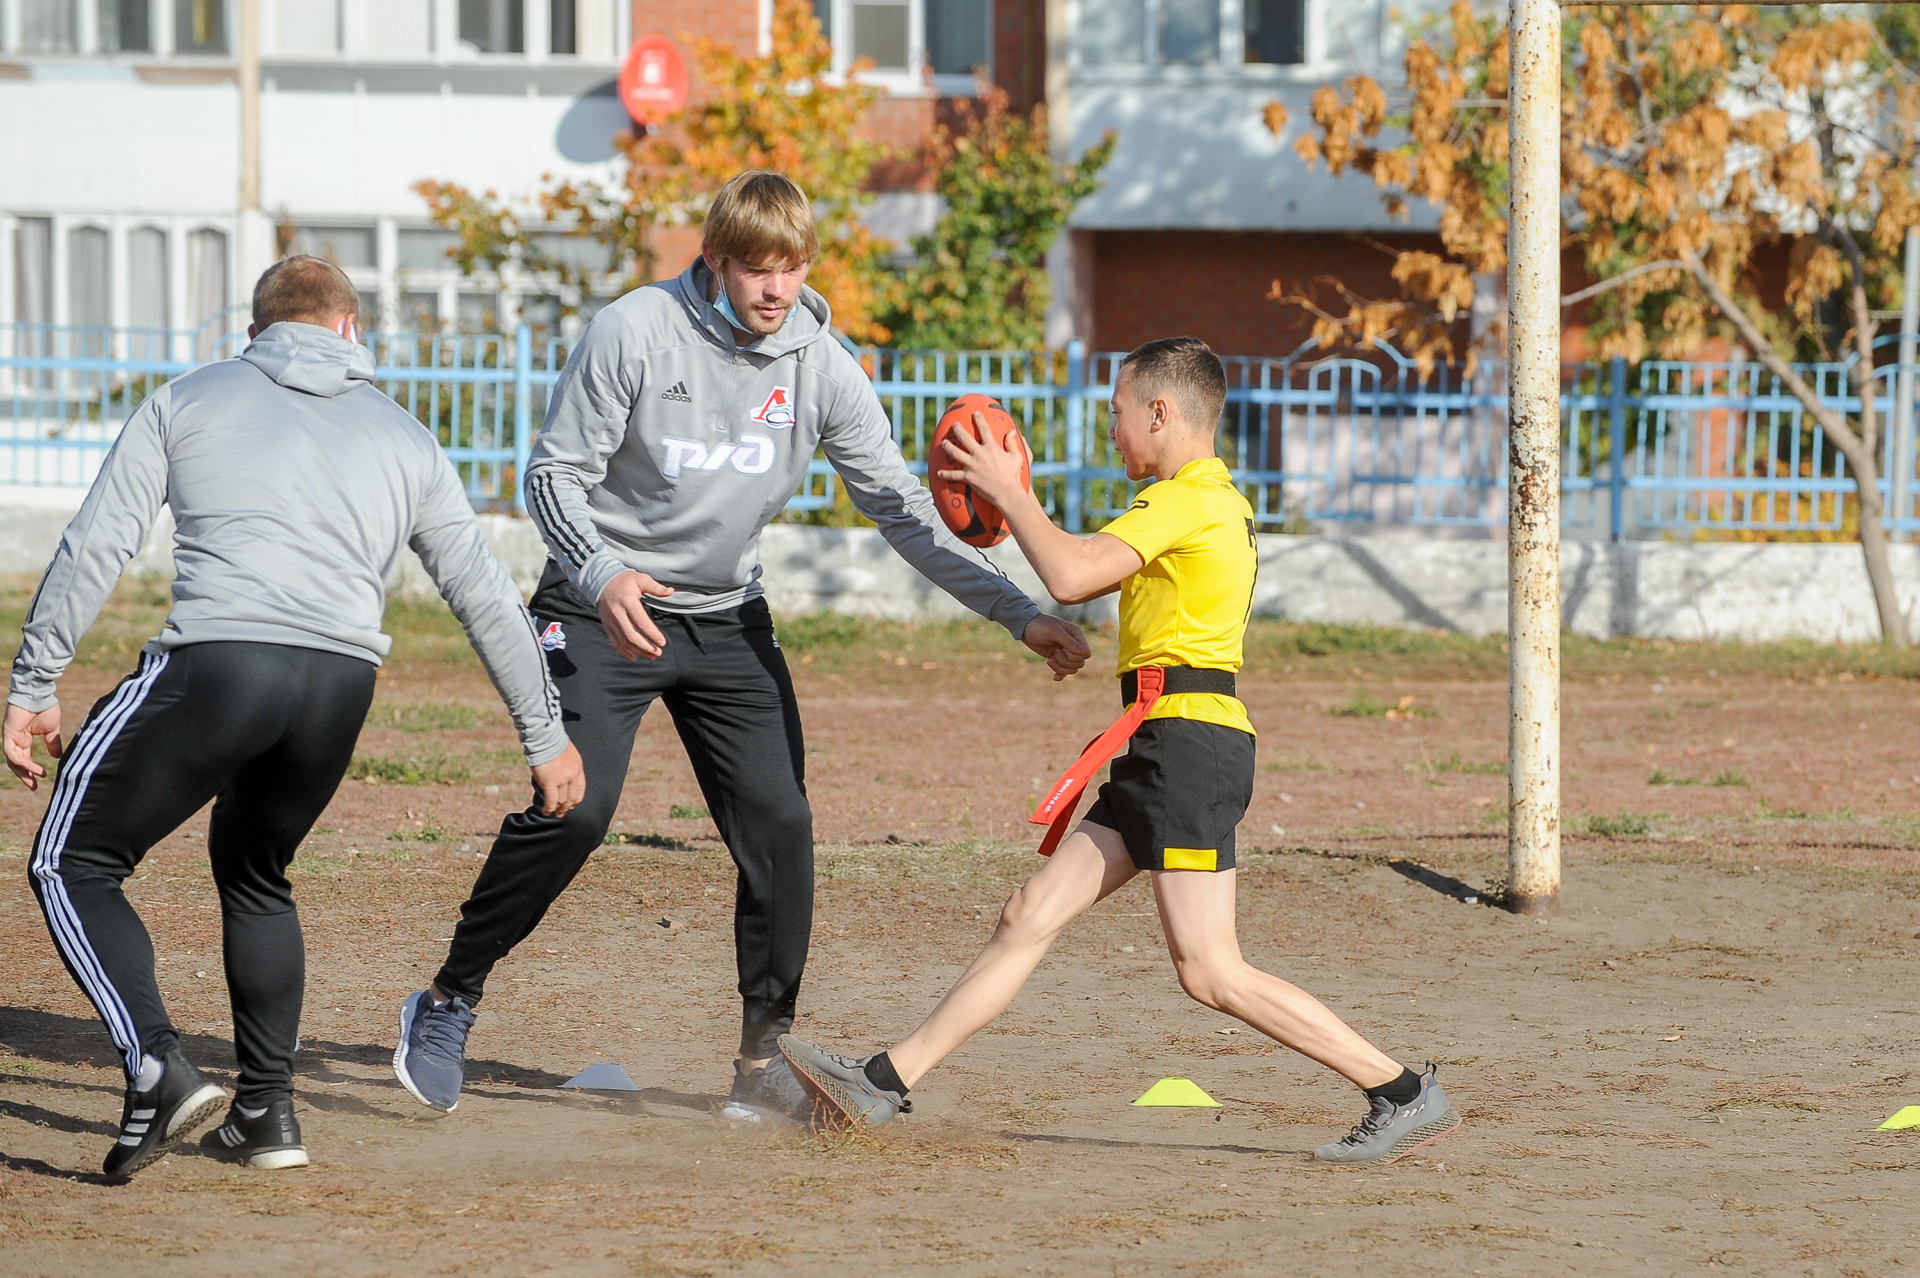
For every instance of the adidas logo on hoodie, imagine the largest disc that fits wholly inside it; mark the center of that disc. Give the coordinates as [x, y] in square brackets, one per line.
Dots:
[678, 393]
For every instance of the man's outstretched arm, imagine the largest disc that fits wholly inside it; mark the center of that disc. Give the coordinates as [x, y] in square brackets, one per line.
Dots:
[859, 443]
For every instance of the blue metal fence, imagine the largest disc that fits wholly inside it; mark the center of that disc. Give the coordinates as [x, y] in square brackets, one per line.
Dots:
[1648, 448]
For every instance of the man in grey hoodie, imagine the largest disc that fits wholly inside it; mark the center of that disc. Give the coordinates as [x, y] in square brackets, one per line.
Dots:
[683, 423]
[294, 484]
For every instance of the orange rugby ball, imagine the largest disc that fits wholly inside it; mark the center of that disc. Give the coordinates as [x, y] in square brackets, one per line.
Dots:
[973, 518]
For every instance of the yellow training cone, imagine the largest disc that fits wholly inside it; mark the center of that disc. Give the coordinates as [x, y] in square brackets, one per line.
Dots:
[1176, 1091]
[1908, 1117]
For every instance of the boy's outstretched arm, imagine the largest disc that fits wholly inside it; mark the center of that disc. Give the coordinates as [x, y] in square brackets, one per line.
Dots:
[1073, 569]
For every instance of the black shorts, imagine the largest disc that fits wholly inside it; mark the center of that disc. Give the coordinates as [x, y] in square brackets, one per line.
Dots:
[1177, 794]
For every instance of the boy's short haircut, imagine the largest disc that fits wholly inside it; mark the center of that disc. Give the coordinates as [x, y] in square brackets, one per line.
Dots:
[761, 218]
[1185, 370]
[308, 290]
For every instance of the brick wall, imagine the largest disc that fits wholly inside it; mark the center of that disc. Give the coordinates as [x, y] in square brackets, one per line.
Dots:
[734, 22]
[1020, 51]
[1213, 284]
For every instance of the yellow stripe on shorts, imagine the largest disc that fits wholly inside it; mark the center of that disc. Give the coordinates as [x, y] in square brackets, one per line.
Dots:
[1191, 858]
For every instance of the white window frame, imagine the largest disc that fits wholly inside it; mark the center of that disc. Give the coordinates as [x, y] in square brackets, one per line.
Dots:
[1315, 67]
[914, 82]
[87, 33]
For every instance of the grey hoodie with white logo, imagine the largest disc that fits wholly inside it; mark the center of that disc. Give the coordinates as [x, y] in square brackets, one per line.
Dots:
[667, 449]
[294, 483]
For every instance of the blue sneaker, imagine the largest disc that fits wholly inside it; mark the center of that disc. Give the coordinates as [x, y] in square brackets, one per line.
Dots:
[433, 1049]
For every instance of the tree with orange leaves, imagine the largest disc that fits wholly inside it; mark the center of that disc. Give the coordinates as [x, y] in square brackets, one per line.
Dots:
[1688, 138]
[779, 111]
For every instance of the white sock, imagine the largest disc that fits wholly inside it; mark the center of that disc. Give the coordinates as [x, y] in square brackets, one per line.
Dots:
[250, 1113]
[151, 1068]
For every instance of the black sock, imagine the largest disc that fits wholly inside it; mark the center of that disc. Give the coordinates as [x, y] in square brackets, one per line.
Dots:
[1403, 1090]
[881, 1073]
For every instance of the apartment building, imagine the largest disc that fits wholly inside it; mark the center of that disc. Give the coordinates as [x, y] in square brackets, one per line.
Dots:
[125, 192]
[153, 163]
[1203, 207]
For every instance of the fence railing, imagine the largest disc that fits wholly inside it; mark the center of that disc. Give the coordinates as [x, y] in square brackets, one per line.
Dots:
[1646, 448]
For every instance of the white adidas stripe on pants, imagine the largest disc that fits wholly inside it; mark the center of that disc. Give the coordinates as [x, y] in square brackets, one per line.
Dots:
[76, 770]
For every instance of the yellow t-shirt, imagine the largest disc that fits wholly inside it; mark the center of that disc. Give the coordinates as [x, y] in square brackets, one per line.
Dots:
[1188, 605]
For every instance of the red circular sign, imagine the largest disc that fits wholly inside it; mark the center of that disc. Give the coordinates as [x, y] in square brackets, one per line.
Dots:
[653, 81]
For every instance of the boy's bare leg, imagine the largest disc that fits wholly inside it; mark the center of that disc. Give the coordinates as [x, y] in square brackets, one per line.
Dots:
[1196, 910]
[1090, 865]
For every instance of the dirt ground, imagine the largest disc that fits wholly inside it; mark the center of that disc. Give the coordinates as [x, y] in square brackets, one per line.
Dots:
[1683, 1069]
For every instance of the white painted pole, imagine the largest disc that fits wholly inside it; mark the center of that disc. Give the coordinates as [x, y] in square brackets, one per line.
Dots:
[1903, 395]
[1533, 461]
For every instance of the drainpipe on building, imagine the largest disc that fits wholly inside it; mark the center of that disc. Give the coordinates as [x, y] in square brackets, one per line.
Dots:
[254, 230]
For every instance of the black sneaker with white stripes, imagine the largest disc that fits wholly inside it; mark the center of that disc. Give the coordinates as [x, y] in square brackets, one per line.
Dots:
[269, 1141]
[154, 1119]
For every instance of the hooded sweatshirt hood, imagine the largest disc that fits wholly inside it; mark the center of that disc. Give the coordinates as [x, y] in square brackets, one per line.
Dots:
[809, 320]
[306, 357]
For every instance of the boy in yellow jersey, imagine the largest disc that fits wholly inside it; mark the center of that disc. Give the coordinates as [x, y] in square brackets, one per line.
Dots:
[1183, 558]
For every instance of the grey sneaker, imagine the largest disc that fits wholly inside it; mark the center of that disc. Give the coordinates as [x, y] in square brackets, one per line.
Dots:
[432, 1055]
[841, 1084]
[770, 1094]
[1390, 1132]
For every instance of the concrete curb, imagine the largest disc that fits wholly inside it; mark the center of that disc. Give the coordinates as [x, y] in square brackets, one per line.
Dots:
[1741, 592]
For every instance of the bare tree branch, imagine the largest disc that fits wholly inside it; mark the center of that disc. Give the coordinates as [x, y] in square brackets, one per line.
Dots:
[1642, 269]
[1830, 421]
[1860, 458]
[1863, 333]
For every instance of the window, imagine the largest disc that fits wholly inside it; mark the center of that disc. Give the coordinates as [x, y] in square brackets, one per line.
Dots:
[200, 26]
[474, 313]
[89, 277]
[494, 26]
[1276, 31]
[124, 26]
[580, 252]
[880, 35]
[347, 247]
[419, 313]
[956, 36]
[49, 26]
[306, 27]
[561, 37]
[147, 277]
[400, 28]
[427, 250]
[1189, 33]
[33, 270]
[905, 41]
[207, 287]
[1112, 33]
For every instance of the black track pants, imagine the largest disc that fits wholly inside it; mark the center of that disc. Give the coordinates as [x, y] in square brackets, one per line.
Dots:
[726, 684]
[264, 730]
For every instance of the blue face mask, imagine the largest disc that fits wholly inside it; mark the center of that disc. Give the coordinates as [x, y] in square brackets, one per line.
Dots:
[724, 305]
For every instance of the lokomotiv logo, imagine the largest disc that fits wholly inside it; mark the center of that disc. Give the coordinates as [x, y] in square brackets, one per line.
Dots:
[777, 412]
[553, 638]
[753, 455]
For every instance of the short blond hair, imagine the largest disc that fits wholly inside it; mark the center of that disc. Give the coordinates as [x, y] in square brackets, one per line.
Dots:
[761, 218]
